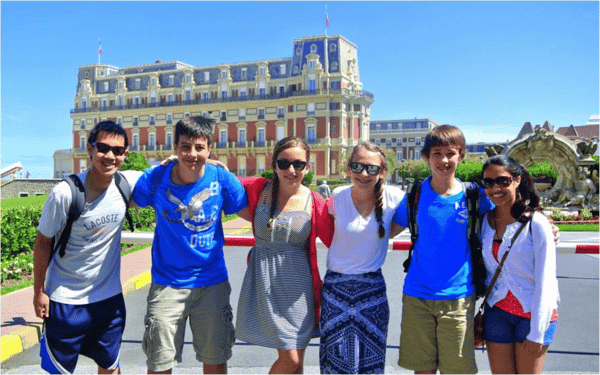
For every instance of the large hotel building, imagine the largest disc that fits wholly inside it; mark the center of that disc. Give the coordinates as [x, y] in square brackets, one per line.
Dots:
[316, 94]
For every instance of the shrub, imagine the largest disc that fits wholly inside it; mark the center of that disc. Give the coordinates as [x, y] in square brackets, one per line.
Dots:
[17, 267]
[586, 214]
[19, 228]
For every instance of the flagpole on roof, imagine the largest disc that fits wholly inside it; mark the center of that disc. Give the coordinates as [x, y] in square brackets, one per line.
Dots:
[99, 50]
[326, 19]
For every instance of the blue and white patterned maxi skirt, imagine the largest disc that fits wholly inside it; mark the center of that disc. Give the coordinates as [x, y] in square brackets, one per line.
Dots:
[354, 323]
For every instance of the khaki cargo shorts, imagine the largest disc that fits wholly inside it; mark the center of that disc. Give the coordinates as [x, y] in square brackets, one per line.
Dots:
[438, 334]
[211, 322]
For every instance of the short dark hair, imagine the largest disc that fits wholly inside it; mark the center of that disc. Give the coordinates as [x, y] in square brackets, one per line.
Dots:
[109, 127]
[194, 127]
[444, 135]
[528, 197]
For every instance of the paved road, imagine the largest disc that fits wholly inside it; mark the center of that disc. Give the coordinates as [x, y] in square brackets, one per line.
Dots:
[576, 349]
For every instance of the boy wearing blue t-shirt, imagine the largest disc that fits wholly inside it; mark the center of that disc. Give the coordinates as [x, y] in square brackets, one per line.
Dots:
[439, 296]
[189, 277]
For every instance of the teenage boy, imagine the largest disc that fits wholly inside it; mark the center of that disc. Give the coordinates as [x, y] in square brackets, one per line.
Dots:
[189, 277]
[78, 293]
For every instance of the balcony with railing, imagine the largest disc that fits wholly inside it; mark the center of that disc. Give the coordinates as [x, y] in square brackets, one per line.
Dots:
[269, 96]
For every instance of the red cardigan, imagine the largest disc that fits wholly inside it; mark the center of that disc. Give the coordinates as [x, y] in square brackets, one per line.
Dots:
[321, 225]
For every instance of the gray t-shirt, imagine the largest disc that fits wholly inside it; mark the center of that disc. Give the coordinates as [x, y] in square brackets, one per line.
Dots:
[90, 270]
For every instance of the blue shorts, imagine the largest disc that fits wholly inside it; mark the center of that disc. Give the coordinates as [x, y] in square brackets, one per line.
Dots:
[94, 330]
[505, 328]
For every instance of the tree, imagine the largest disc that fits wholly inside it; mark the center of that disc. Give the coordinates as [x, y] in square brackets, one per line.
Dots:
[135, 162]
[390, 155]
[469, 170]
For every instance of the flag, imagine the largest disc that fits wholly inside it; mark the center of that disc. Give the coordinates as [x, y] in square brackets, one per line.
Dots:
[99, 48]
[326, 19]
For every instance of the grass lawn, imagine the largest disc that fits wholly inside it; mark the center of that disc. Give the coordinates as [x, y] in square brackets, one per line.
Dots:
[578, 227]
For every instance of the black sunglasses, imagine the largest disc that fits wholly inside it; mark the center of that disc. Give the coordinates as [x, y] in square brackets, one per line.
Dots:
[502, 181]
[104, 148]
[284, 164]
[358, 168]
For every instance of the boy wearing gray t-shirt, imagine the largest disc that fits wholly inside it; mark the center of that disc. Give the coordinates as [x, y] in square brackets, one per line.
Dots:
[78, 293]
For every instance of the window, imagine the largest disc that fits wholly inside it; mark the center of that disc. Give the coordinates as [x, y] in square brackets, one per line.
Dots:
[136, 101]
[223, 116]
[83, 103]
[188, 95]
[82, 165]
[105, 86]
[171, 80]
[169, 143]
[205, 96]
[136, 141]
[243, 93]
[333, 170]
[135, 121]
[399, 155]
[206, 76]
[311, 85]
[241, 172]
[224, 95]
[280, 133]
[120, 121]
[104, 103]
[152, 142]
[242, 138]
[311, 134]
[388, 142]
[261, 113]
[82, 143]
[82, 124]
[260, 164]
[223, 139]
[169, 119]
[310, 111]
[224, 74]
[417, 155]
[137, 83]
[244, 72]
[188, 78]
[153, 98]
[152, 122]
[282, 69]
[312, 64]
[280, 112]
[120, 84]
[170, 99]
[153, 81]
[418, 141]
[377, 141]
[242, 113]
[260, 142]
[262, 71]
[281, 90]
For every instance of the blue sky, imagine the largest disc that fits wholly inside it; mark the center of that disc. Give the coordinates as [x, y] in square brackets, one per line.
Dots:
[487, 67]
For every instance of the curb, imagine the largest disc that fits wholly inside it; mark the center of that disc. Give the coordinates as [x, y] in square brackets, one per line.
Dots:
[27, 337]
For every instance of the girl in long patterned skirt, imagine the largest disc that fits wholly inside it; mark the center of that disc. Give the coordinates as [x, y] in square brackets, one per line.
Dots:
[355, 311]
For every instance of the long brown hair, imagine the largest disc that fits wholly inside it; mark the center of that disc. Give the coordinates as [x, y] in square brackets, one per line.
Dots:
[378, 191]
[283, 144]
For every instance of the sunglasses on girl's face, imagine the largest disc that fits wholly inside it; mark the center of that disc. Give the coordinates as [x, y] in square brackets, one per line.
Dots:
[358, 168]
[502, 181]
[104, 148]
[284, 164]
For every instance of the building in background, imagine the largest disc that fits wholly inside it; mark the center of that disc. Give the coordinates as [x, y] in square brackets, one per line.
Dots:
[316, 94]
[583, 133]
[404, 137]
[63, 163]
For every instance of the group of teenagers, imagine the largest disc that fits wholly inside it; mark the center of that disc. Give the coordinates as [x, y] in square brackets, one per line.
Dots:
[283, 302]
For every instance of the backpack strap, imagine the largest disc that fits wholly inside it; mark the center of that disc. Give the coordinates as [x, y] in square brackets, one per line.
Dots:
[125, 190]
[412, 203]
[473, 229]
[75, 209]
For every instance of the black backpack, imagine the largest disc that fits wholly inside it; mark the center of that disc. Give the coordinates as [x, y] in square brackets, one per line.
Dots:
[473, 228]
[78, 194]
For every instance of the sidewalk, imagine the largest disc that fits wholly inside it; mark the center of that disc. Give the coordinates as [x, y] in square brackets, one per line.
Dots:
[21, 329]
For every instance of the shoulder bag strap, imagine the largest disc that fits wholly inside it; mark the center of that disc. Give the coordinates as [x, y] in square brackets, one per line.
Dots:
[489, 289]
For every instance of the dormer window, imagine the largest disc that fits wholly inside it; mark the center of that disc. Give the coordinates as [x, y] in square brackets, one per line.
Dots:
[244, 72]
[224, 74]
[105, 86]
[171, 79]
[262, 71]
[206, 76]
[312, 64]
[282, 69]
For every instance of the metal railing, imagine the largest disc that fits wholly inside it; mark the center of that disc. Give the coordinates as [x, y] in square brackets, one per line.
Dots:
[273, 96]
